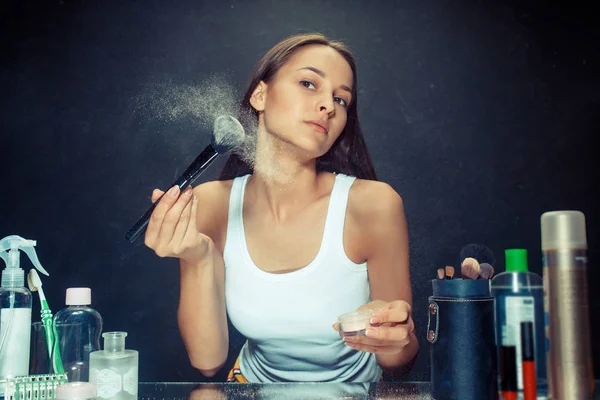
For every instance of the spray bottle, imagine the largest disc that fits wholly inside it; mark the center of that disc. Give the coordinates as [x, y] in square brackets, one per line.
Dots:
[15, 309]
[564, 250]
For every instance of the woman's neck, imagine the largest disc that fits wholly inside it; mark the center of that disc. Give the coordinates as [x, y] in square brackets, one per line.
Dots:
[281, 183]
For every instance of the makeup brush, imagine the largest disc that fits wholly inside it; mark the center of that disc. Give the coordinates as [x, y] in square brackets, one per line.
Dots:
[470, 268]
[480, 252]
[228, 134]
[449, 272]
[441, 273]
[486, 271]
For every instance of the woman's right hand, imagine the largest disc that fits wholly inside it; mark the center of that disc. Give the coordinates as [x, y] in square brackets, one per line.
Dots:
[172, 230]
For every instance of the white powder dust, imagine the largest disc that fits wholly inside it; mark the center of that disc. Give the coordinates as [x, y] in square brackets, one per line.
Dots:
[195, 106]
[201, 105]
[170, 102]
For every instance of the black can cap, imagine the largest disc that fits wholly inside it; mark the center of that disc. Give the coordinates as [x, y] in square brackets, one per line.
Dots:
[527, 348]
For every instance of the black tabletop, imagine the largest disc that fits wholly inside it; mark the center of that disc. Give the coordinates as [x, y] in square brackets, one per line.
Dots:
[289, 391]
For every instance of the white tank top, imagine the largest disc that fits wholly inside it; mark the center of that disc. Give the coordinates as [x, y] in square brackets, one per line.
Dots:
[287, 318]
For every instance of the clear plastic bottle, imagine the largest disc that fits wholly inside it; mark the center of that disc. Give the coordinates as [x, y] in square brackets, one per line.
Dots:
[77, 331]
[114, 370]
[520, 297]
[15, 333]
[15, 309]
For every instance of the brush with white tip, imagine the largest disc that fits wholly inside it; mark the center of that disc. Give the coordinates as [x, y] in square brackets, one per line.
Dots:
[35, 285]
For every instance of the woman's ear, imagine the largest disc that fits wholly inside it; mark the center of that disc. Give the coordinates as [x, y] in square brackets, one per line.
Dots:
[259, 96]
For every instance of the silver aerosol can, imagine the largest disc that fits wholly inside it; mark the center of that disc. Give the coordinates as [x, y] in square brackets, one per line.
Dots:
[564, 248]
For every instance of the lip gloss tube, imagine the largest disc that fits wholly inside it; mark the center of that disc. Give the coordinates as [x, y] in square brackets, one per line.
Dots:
[508, 373]
[528, 361]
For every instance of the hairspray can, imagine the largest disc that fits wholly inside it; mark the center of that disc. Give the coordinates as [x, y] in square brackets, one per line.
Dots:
[564, 248]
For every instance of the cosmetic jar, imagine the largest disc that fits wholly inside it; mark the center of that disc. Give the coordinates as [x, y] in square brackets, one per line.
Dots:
[355, 323]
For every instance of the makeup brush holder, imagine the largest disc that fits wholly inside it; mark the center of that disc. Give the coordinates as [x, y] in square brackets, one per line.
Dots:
[462, 344]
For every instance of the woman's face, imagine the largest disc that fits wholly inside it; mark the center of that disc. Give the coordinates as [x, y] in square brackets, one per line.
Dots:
[305, 104]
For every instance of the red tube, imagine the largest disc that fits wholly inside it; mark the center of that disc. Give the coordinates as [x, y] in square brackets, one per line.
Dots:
[529, 385]
[510, 395]
[528, 361]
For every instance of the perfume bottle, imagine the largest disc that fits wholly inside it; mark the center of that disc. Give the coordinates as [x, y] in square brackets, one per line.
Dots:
[114, 370]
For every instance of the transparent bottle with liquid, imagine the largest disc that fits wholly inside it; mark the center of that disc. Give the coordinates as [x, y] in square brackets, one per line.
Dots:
[15, 333]
[15, 309]
[519, 297]
[77, 331]
[114, 370]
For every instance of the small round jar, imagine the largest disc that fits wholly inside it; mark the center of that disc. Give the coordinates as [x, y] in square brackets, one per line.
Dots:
[355, 323]
[75, 391]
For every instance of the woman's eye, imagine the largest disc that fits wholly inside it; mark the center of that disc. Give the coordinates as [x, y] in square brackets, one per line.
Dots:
[307, 84]
[341, 101]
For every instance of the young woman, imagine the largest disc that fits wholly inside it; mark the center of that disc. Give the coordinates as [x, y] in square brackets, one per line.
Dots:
[294, 235]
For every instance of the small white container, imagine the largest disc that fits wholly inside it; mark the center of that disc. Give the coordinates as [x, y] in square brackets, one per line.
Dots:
[355, 323]
[75, 391]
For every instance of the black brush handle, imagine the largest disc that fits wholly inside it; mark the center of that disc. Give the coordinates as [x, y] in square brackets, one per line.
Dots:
[196, 168]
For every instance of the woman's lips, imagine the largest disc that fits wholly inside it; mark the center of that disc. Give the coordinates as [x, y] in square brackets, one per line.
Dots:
[318, 125]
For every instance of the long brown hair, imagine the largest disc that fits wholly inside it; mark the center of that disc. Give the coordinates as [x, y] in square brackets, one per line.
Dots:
[348, 154]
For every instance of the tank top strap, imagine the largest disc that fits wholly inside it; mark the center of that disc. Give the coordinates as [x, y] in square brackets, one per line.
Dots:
[337, 211]
[235, 213]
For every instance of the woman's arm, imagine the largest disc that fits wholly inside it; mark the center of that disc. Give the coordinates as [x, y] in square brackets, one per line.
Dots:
[201, 315]
[379, 213]
[183, 227]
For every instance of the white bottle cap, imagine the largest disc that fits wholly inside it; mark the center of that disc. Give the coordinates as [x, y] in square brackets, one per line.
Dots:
[80, 296]
[75, 391]
[563, 230]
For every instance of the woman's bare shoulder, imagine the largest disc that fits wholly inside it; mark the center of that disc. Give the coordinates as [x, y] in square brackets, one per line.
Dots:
[375, 216]
[213, 207]
[368, 199]
[213, 190]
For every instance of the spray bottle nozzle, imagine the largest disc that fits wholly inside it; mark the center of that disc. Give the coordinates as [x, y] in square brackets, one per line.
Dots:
[13, 275]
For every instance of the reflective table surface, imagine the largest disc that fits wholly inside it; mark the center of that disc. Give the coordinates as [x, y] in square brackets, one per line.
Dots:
[289, 391]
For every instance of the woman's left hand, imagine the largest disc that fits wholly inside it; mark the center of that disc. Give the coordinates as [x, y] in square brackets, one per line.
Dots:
[390, 330]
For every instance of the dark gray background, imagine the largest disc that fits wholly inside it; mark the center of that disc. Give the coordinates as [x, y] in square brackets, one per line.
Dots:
[480, 114]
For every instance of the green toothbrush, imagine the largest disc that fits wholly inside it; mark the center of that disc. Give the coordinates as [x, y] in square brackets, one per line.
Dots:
[35, 284]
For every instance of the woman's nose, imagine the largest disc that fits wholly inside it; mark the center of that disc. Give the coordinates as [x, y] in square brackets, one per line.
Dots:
[326, 105]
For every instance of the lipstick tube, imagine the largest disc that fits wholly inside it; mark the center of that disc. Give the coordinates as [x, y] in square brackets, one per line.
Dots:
[508, 373]
[528, 361]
